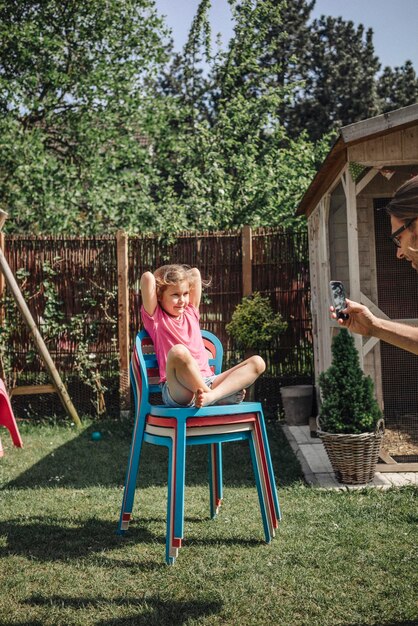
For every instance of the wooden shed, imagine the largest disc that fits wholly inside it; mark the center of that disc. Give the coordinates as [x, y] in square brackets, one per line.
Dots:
[348, 239]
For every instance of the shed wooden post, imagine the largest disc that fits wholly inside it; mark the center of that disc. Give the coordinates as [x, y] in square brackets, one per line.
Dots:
[353, 249]
[123, 320]
[324, 330]
[247, 259]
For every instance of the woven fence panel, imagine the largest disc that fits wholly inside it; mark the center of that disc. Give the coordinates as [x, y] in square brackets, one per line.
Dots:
[70, 287]
[280, 270]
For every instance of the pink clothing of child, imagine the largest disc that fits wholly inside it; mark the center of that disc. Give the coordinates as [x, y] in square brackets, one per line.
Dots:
[167, 331]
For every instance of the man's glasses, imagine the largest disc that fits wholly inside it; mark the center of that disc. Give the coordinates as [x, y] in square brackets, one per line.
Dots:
[394, 236]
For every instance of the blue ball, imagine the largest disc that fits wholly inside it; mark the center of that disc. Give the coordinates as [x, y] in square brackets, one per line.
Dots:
[96, 435]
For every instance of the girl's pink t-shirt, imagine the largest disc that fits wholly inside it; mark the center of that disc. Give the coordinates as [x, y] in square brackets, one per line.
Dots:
[167, 331]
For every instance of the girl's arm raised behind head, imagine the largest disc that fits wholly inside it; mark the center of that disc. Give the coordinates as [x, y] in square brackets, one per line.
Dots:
[196, 288]
[148, 292]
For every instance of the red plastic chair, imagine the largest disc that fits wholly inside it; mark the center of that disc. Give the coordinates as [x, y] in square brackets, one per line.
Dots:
[7, 418]
[177, 428]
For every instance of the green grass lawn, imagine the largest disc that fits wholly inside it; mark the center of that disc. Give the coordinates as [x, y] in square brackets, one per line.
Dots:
[339, 558]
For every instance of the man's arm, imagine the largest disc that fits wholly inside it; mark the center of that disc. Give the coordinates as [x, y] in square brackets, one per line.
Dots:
[148, 292]
[362, 321]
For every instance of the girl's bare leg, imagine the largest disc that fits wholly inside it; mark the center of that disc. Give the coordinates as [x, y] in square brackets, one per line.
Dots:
[232, 381]
[183, 376]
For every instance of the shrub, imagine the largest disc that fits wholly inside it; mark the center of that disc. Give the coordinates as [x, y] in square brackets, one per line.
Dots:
[347, 394]
[254, 323]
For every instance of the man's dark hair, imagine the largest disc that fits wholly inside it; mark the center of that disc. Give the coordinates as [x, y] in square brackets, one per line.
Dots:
[404, 204]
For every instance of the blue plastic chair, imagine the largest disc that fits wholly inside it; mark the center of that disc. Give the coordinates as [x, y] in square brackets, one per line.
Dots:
[177, 428]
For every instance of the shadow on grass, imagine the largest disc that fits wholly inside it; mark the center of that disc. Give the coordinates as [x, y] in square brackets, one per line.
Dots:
[82, 463]
[148, 610]
[51, 540]
[408, 622]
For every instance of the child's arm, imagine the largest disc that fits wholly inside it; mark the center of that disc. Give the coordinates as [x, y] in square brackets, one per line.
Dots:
[148, 292]
[196, 289]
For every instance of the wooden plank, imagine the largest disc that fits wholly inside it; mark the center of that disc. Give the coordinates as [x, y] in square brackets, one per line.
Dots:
[396, 467]
[392, 147]
[356, 153]
[123, 319]
[247, 259]
[353, 249]
[410, 143]
[367, 178]
[324, 317]
[380, 124]
[27, 390]
[385, 457]
[313, 230]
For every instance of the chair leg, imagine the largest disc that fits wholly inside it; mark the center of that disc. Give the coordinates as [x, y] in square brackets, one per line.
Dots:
[171, 544]
[261, 490]
[168, 440]
[262, 432]
[179, 465]
[215, 478]
[131, 477]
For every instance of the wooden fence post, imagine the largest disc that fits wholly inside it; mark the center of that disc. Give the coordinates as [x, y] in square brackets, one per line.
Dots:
[247, 282]
[247, 260]
[123, 320]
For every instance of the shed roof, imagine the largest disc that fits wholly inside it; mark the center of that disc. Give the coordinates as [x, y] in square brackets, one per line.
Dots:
[349, 136]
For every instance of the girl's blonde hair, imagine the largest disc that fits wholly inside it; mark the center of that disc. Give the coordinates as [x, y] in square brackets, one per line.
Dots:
[172, 275]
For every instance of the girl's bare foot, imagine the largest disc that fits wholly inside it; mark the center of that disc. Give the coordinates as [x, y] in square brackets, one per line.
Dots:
[201, 398]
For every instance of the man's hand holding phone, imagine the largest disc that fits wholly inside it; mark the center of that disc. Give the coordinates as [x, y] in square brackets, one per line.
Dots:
[338, 299]
[352, 315]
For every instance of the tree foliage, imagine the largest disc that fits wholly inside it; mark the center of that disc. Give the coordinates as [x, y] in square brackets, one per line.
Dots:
[73, 91]
[103, 126]
[397, 87]
[232, 160]
[339, 85]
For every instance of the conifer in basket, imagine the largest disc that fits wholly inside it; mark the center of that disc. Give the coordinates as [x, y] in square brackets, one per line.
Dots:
[348, 404]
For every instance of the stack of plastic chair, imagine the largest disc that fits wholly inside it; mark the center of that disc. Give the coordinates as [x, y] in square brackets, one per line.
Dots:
[177, 428]
[7, 418]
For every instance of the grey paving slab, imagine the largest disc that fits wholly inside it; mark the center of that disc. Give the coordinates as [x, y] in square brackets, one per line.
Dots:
[302, 434]
[317, 469]
[316, 458]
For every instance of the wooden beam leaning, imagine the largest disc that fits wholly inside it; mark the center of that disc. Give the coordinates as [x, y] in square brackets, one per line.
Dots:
[37, 337]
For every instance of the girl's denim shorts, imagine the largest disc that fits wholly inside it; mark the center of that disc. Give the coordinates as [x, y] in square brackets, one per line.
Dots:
[168, 400]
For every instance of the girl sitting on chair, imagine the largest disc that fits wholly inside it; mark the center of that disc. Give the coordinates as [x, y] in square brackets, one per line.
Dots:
[170, 314]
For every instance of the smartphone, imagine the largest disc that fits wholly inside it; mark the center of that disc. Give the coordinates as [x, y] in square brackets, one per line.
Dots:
[338, 298]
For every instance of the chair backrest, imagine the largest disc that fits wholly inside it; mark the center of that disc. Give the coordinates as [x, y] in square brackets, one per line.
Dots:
[144, 367]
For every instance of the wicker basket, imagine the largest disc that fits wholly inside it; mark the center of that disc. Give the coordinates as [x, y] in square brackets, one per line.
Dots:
[353, 457]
